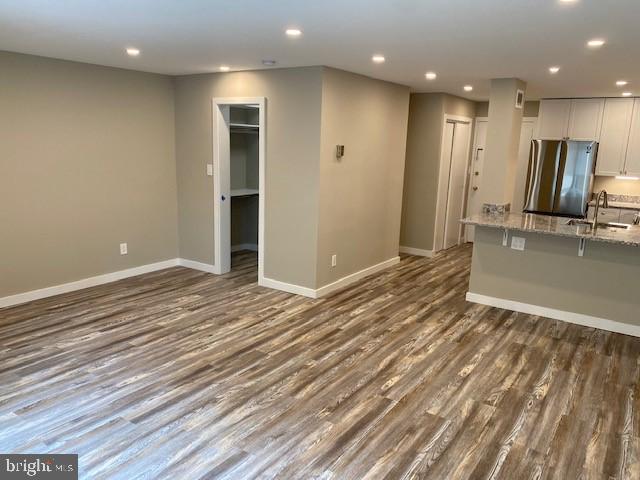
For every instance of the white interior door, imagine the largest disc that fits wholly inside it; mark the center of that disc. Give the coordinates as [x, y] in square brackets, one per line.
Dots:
[474, 205]
[526, 135]
[222, 190]
[460, 136]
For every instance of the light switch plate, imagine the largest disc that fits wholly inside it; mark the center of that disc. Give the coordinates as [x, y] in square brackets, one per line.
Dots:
[210, 169]
[517, 243]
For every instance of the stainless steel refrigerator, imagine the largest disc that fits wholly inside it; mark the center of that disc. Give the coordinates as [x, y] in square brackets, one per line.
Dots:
[560, 177]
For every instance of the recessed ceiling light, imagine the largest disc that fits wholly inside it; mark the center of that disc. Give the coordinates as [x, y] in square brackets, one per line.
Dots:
[378, 58]
[626, 94]
[133, 52]
[621, 83]
[224, 68]
[595, 43]
[468, 88]
[430, 75]
[554, 69]
[293, 32]
[568, 1]
[269, 63]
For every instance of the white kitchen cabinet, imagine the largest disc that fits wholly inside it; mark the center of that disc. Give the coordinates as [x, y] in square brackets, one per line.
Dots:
[576, 119]
[627, 216]
[553, 119]
[585, 119]
[614, 136]
[605, 215]
[632, 165]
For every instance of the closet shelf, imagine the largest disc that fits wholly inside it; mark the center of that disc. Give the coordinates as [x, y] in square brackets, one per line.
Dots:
[244, 192]
[244, 125]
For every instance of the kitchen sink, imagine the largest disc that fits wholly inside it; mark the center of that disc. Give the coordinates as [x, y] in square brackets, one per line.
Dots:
[588, 223]
[580, 223]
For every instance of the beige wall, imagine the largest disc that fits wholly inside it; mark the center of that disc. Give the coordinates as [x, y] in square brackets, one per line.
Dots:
[86, 162]
[619, 187]
[422, 164]
[360, 195]
[503, 141]
[530, 109]
[549, 273]
[105, 148]
[459, 106]
[292, 163]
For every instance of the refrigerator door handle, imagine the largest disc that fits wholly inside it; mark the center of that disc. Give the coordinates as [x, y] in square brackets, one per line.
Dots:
[534, 179]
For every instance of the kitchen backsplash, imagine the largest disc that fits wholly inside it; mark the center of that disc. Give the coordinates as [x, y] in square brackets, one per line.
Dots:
[614, 186]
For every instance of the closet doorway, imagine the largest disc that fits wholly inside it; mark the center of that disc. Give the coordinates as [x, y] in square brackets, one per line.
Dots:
[238, 177]
[456, 142]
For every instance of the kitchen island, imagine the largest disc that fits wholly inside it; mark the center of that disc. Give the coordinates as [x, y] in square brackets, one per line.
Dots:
[568, 272]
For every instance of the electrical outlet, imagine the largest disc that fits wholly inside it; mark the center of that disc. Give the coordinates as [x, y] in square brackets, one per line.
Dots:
[517, 243]
[210, 169]
[334, 260]
[123, 249]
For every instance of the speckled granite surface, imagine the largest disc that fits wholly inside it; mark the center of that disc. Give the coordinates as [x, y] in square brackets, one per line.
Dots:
[556, 226]
[630, 202]
[622, 205]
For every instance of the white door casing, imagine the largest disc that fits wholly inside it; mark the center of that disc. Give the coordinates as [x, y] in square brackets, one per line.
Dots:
[222, 181]
[443, 211]
[457, 184]
[474, 204]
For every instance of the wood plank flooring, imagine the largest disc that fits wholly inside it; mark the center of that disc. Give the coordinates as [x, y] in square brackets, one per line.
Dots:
[182, 374]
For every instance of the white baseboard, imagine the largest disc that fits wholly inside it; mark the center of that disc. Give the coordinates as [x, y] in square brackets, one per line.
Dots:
[85, 283]
[287, 287]
[244, 246]
[417, 251]
[203, 267]
[354, 277]
[332, 287]
[571, 317]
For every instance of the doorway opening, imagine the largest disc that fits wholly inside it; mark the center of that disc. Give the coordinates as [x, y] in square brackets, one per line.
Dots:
[474, 204]
[456, 141]
[238, 176]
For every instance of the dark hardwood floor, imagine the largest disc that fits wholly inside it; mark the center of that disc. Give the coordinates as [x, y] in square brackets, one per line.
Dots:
[182, 374]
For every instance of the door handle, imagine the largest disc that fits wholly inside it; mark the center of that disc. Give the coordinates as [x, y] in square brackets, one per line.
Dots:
[475, 189]
[223, 198]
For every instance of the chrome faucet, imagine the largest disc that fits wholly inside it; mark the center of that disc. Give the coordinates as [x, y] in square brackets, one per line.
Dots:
[605, 204]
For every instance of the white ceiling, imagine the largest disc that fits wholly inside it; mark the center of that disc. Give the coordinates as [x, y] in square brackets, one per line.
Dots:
[464, 41]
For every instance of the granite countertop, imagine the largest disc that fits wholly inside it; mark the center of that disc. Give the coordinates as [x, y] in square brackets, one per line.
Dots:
[627, 202]
[622, 205]
[557, 226]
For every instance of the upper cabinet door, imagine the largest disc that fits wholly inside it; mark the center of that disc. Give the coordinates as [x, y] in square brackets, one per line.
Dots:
[585, 119]
[616, 124]
[553, 119]
[632, 168]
